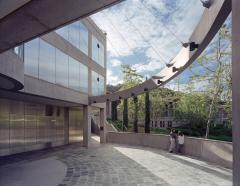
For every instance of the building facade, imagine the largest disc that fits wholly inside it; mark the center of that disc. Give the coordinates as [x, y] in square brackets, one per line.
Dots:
[45, 87]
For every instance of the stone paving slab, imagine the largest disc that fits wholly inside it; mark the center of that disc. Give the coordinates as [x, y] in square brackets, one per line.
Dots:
[112, 164]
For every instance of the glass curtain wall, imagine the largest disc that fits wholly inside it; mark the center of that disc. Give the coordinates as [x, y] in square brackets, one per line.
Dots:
[48, 63]
[97, 51]
[98, 83]
[76, 34]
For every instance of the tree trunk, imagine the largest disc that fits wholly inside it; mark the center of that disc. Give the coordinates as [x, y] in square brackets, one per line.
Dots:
[147, 113]
[125, 114]
[114, 110]
[135, 123]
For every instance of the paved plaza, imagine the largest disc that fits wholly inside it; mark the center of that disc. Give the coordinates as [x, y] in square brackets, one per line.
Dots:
[109, 164]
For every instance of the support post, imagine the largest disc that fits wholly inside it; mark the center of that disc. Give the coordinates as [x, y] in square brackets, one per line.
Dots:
[102, 125]
[86, 125]
[236, 90]
[66, 125]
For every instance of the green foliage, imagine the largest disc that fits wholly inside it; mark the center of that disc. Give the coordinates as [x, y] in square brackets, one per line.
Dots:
[117, 124]
[114, 110]
[147, 113]
[192, 109]
[160, 131]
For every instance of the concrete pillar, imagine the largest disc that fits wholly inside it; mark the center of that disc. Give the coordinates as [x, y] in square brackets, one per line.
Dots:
[86, 125]
[108, 109]
[236, 90]
[66, 125]
[102, 125]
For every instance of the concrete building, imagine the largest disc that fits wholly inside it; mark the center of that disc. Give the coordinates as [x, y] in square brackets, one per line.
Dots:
[49, 80]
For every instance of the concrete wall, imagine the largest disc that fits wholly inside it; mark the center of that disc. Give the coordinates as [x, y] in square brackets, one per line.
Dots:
[218, 152]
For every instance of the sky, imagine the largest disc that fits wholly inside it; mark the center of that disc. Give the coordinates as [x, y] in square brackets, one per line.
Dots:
[146, 34]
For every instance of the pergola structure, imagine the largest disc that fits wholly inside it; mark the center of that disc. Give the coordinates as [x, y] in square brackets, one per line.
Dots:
[25, 14]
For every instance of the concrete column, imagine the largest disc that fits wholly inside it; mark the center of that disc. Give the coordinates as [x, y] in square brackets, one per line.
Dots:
[66, 125]
[102, 125]
[108, 109]
[86, 125]
[236, 90]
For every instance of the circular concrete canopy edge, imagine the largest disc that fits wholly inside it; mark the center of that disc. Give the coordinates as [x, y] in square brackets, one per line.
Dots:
[208, 26]
[8, 83]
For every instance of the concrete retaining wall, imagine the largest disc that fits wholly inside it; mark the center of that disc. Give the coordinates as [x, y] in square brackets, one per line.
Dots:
[213, 151]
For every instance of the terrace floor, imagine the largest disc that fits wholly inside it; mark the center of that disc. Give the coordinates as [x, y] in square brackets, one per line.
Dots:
[108, 164]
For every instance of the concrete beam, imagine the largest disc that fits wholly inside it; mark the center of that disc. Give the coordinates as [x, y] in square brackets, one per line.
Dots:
[236, 90]
[208, 26]
[25, 20]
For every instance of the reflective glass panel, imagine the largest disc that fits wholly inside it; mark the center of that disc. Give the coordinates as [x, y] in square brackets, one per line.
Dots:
[83, 78]
[94, 83]
[63, 32]
[97, 51]
[46, 62]
[83, 39]
[74, 34]
[31, 54]
[61, 68]
[74, 74]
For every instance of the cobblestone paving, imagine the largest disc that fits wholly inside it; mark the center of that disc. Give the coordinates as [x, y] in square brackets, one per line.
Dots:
[112, 164]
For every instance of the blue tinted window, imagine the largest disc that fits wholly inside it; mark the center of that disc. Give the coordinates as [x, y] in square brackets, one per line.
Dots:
[46, 62]
[83, 39]
[83, 78]
[61, 68]
[74, 74]
[97, 51]
[31, 54]
[98, 83]
[73, 36]
[63, 32]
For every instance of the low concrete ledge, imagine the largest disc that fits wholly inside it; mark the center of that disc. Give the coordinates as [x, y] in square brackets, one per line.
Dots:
[213, 151]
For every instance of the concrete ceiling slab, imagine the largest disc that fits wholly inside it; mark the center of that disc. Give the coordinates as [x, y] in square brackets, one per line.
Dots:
[31, 19]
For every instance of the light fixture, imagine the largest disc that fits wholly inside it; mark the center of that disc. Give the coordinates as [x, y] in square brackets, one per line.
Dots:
[206, 3]
[175, 69]
[145, 89]
[132, 94]
[193, 46]
[120, 97]
[159, 82]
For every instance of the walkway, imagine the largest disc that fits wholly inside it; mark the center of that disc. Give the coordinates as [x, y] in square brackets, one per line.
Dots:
[108, 164]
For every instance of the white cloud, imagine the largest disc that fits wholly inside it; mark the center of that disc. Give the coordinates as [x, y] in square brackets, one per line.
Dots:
[112, 79]
[131, 27]
[115, 62]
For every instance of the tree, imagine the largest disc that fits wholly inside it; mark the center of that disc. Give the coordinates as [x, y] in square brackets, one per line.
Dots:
[114, 110]
[147, 113]
[215, 75]
[125, 113]
[135, 122]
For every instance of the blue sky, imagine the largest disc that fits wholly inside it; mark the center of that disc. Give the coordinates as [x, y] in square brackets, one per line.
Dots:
[145, 33]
